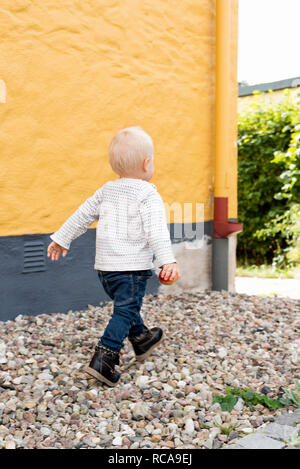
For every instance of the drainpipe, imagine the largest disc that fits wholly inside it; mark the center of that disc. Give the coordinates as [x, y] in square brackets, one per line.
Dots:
[222, 227]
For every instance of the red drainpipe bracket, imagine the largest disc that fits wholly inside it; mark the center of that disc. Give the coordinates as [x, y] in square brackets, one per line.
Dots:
[224, 230]
[222, 227]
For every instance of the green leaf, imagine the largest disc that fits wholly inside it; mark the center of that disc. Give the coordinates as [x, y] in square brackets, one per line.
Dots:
[227, 402]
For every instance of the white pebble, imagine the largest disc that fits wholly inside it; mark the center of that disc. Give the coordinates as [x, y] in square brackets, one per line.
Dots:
[45, 431]
[45, 376]
[189, 426]
[10, 444]
[142, 381]
[222, 352]
[239, 405]
[167, 387]
[140, 410]
[246, 430]
[149, 428]
[117, 441]
[149, 366]
[3, 358]
[19, 318]
[181, 384]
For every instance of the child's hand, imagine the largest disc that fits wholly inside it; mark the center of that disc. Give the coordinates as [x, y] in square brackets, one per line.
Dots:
[170, 271]
[54, 251]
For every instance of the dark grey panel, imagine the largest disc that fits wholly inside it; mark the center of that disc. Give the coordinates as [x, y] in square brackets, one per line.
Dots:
[31, 284]
[180, 232]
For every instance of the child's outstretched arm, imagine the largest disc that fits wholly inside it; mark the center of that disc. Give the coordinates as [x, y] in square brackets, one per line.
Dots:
[74, 226]
[153, 215]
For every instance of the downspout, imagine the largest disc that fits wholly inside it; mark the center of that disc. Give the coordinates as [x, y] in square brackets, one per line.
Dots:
[222, 227]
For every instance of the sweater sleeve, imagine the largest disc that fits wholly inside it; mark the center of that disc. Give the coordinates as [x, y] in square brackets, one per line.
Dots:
[154, 223]
[79, 221]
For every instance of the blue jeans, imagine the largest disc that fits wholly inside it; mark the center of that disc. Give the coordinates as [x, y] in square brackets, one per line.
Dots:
[127, 289]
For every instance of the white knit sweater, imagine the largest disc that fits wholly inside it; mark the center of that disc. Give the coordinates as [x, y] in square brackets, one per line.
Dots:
[132, 226]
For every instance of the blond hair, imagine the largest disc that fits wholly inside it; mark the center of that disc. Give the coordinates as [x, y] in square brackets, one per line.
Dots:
[128, 148]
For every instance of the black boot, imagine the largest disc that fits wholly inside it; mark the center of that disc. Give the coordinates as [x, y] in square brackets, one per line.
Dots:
[146, 342]
[102, 365]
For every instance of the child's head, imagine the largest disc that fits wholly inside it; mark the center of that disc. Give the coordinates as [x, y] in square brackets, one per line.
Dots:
[131, 153]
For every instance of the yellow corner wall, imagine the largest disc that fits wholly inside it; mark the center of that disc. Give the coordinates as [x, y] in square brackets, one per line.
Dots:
[76, 72]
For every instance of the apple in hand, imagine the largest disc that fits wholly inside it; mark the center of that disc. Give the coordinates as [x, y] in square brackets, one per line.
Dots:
[166, 281]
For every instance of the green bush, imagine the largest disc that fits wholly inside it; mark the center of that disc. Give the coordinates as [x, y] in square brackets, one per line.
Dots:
[284, 229]
[268, 182]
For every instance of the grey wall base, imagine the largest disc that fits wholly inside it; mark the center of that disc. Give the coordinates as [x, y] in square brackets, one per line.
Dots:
[220, 278]
[224, 263]
[73, 283]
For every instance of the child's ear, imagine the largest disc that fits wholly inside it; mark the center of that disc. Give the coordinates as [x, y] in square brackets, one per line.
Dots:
[145, 164]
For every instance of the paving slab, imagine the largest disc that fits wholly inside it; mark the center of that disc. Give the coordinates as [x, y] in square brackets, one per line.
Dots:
[277, 431]
[289, 419]
[259, 441]
[235, 446]
[287, 287]
[273, 436]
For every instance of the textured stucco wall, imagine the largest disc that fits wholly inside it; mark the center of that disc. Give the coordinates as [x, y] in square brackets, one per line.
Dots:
[75, 73]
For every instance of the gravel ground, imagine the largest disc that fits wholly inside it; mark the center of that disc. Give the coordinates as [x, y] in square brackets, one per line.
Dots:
[212, 340]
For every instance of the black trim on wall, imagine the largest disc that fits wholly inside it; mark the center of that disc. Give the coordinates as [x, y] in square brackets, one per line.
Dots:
[45, 286]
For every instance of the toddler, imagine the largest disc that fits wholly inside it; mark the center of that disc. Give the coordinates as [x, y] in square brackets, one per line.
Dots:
[132, 227]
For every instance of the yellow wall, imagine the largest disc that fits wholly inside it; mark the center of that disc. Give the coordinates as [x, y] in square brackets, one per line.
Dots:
[78, 71]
